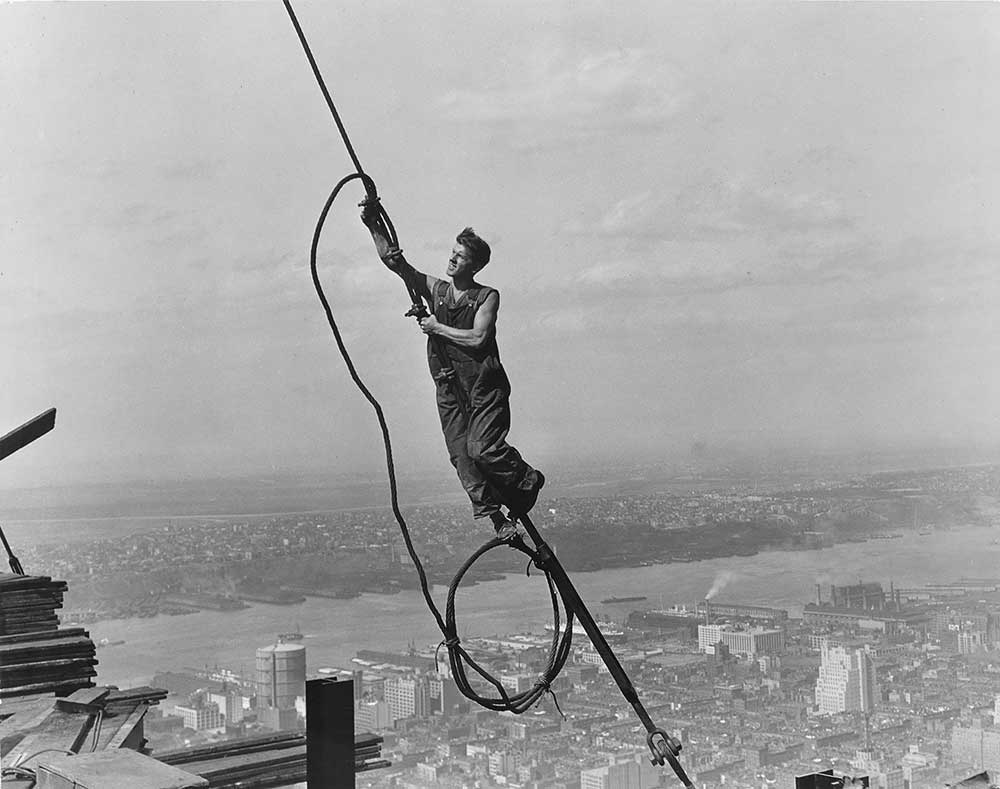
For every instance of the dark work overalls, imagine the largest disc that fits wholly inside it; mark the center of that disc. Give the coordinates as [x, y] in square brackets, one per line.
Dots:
[491, 470]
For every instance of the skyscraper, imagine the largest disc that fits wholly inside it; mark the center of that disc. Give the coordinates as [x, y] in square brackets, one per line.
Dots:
[846, 680]
[621, 773]
[408, 697]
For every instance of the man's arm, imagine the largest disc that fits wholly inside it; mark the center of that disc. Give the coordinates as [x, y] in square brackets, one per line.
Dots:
[391, 256]
[484, 325]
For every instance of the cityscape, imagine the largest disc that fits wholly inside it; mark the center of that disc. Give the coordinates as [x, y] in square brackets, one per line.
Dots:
[893, 683]
[228, 562]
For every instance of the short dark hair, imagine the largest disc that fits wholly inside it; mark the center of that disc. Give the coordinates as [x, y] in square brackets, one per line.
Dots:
[478, 249]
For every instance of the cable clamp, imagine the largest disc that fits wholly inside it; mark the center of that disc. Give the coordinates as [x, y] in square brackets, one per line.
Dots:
[450, 643]
[392, 256]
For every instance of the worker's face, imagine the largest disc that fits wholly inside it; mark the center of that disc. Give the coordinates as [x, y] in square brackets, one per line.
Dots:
[460, 263]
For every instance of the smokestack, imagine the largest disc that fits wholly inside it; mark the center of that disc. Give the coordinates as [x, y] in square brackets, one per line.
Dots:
[708, 604]
[819, 595]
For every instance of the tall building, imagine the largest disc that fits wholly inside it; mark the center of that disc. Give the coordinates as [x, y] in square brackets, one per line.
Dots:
[619, 774]
[445, 696]
[203, 717]
[278, 718]
[281, 675]
[846, 680]
[408, 697]
[233, 706]
[750, 642]
[977, 745]
[517, 683]
[971, 641]
[372, 715]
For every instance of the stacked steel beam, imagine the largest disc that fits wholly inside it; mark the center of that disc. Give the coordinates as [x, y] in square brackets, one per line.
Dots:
[35, 655]
[264, 761]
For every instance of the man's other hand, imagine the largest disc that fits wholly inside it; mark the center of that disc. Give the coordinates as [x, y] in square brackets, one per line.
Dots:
[370, 212]
[429, 324]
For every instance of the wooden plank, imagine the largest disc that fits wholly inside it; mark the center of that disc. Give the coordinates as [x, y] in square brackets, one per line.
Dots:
[142, 693]
[47, 687]
[27, 715]
[17, 596]
[89, 695]
[13, 579]
[61, 730]
[125, 728]
[48, 674]
[21, 436]
[66, 632]
[117, 769]
[45, 646]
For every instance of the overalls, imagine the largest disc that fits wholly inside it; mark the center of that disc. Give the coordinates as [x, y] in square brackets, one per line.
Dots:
[491, 470]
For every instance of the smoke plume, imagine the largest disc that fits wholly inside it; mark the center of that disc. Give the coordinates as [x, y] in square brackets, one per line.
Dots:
[720, 582]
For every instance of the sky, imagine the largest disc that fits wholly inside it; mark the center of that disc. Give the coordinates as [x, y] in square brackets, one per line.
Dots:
[753, 224]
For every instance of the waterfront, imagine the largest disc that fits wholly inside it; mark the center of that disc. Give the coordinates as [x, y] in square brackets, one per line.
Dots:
[337, 629]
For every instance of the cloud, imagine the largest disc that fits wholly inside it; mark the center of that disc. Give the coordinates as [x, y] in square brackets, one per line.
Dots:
[720, 232]
[578, 99]
[145, 214]
[191, 169]
[715, 206]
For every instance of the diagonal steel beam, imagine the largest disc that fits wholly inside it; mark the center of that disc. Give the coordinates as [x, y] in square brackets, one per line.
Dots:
[22, 436]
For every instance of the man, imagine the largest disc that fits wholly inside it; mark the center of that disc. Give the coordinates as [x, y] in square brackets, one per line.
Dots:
[473, 403]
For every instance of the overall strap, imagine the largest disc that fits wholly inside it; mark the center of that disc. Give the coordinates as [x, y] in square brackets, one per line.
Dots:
[483, 294]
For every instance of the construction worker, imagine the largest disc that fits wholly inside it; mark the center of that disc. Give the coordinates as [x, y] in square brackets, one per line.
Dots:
[461, 331]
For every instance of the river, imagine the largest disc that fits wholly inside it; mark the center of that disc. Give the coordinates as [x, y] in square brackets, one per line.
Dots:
[336, 629]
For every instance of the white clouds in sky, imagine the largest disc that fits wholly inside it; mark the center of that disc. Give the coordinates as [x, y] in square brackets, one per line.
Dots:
[770, 219]
[562, 98]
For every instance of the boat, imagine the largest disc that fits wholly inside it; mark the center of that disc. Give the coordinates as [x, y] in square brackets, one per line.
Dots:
[294, 635]
[107, 642]
[609, 630]
[610, 600]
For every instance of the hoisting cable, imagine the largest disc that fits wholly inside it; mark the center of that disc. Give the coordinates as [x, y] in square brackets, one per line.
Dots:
[322, 86]
[663, 747]
[458, 657]
[15, 565]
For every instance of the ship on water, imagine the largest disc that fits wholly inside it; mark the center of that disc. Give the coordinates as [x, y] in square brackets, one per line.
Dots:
[612, 600]
[611, 632]
[292, 636]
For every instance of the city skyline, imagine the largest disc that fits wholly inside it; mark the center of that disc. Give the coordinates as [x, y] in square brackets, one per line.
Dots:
[767, 225]
[886, 668]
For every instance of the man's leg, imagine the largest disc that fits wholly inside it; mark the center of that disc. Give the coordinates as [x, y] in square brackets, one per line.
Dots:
[454, 425]
[501, 463]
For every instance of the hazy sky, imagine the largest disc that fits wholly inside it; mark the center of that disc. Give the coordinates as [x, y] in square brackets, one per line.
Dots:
[770, 223]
